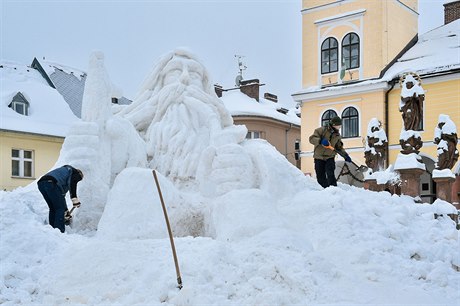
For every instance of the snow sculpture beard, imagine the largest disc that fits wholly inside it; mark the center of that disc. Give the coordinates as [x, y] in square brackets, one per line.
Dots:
[178, 115]
[184, 123]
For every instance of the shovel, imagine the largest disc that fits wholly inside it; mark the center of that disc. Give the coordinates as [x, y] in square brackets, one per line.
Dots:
[68, 216]
[359, 168]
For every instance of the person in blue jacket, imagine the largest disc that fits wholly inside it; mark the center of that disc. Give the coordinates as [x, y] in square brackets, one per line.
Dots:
[53, 186]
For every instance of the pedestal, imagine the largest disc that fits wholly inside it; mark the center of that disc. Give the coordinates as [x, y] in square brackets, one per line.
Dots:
[410, 181]
[444, 188]
[371, 185]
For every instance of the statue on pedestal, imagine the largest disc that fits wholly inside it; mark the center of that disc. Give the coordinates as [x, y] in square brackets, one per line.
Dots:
[445, 137]
[411, 107]
[376, 146]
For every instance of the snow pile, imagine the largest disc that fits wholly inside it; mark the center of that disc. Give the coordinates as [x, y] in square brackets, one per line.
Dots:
[382, 177]
[358, 244]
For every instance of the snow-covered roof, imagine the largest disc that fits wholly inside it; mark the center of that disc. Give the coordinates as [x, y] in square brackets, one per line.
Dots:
[436, 51]
[49, 114]
[50, 67]
[70, 83]
[240, 104]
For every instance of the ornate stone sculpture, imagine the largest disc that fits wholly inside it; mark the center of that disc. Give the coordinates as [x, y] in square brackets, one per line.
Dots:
[411, 106]
[445, 137]
[376, 146]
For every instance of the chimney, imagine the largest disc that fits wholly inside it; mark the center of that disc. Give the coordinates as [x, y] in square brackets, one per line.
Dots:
[250, 88]
[271, 97]
[451, 11]
[218, 89]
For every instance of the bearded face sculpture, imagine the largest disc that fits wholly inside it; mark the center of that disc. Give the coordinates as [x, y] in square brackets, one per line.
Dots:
[179, 116]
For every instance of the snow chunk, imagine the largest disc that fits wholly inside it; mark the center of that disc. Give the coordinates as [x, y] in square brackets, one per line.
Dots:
[443, 173]
[382, 177]
[409, 161]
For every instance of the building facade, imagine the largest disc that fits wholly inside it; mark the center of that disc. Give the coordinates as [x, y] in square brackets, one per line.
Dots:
[354, 54]
[263, 117]
[34, 119]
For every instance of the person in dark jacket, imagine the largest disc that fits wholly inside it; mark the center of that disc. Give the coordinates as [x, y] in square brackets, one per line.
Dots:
[323, 137]
[53, 186]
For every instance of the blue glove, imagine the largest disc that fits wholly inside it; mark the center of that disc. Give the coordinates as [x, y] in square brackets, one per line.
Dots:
[348, 158]
[324, 142]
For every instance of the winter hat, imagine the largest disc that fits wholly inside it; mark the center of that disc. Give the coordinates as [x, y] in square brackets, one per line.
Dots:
[335, 121]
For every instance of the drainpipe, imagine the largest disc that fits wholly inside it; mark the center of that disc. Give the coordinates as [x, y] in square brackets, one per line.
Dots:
[387, 129]
[286, 140]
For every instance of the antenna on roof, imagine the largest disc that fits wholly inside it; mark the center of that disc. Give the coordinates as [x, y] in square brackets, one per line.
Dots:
[241, 67]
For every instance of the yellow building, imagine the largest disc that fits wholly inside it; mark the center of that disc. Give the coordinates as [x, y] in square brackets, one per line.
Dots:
[34, 118]
[353, 54]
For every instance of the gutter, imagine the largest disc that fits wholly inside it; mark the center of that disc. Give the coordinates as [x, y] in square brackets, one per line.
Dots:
[286, 140]
[387, 94]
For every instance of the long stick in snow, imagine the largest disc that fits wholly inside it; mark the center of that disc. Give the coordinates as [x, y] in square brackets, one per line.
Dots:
[176, 263]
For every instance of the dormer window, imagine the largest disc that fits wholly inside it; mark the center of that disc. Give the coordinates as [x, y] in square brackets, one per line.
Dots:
[329, 55]
[350, 50]
[20, 104]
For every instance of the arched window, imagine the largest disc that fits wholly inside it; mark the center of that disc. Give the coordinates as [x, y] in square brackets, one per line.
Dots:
[350, 124]
[20, 104]
[350, 50]
[327, 116]
[329, 55]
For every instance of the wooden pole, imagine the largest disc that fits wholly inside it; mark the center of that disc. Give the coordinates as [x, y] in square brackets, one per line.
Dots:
[176, 263]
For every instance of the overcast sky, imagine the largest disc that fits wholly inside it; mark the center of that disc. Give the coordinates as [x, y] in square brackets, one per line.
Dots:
[133, 34]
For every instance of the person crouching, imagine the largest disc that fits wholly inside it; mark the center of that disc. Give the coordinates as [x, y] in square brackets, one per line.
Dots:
[53, 186]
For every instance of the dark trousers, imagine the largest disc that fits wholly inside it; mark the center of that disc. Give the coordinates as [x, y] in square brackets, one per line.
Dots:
[56, 203]
[325, 172]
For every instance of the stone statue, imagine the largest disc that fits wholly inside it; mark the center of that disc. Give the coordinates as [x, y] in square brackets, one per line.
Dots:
[376, 146]
[411, 104]
[445, 137]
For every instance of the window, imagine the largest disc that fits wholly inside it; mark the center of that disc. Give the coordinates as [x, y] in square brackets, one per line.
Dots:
[350, 50]
[350, 122]
[22, 163]
[327, 116]
[253, 134]
[329, 55]
[20, 104]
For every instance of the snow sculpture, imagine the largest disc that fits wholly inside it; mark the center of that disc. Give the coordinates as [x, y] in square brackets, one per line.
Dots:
[101, 145]
[178, 127]
[376, 146]
[445, 137]
[178, 117]
[189, 134]
[192, 143]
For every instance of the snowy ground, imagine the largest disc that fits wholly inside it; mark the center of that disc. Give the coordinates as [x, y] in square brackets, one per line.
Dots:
[340, 246]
